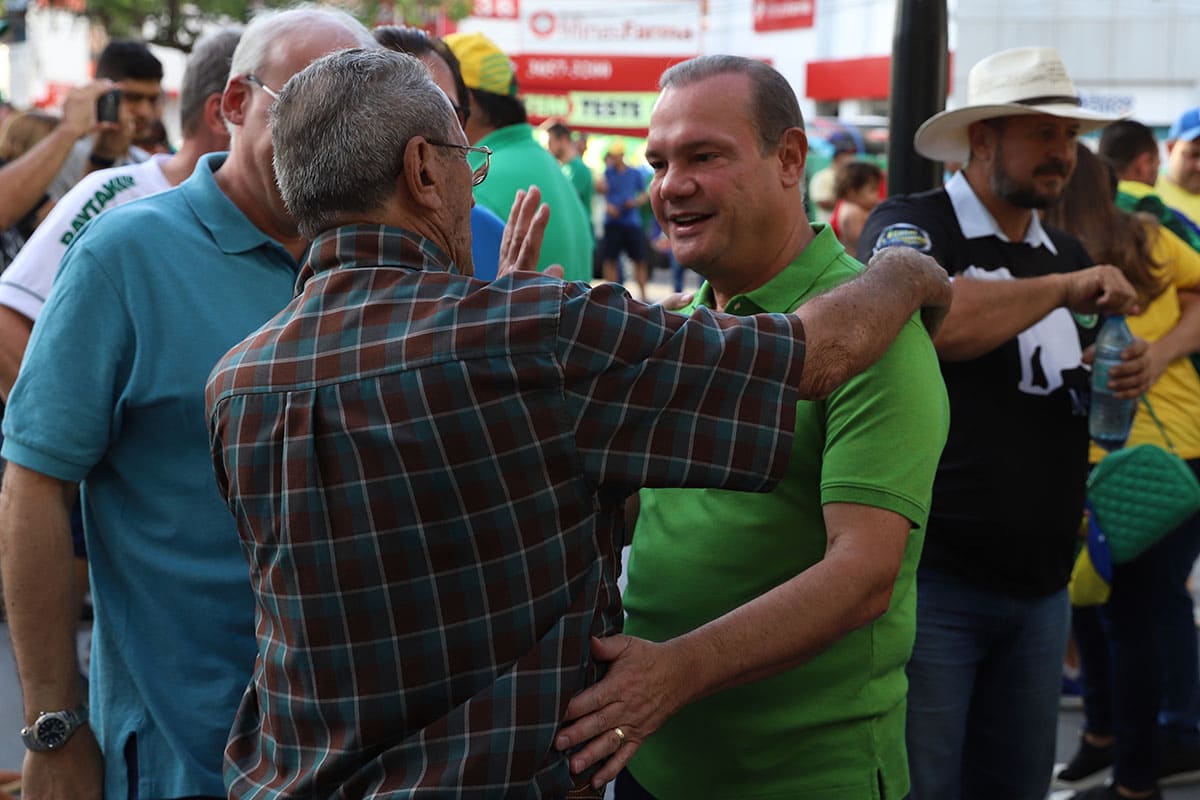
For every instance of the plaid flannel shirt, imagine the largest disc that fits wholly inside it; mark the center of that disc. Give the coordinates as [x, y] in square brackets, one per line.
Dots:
[428, 474]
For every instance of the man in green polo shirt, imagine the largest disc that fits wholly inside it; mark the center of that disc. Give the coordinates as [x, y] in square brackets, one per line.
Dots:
[569, 155]
[497, 120]
[768, 633]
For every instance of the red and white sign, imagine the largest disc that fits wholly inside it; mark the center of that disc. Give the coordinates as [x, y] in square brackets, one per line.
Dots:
[559, 72]
[614, 27]
[780, 15]
[496, 9]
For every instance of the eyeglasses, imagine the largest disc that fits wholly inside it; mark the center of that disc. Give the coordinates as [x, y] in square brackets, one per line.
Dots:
[481, 172]
[271, 92]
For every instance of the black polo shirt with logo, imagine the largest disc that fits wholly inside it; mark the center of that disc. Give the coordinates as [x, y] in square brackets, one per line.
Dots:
[1009, 491]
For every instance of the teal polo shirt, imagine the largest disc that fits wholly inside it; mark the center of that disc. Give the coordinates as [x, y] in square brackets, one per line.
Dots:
[832, 728]
[111, 393]
[518, 162]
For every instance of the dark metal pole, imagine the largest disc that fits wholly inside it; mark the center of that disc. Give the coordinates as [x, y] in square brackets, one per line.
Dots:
[918, 91]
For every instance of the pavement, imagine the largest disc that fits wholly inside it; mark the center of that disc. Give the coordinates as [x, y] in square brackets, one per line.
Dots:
[1070, 723]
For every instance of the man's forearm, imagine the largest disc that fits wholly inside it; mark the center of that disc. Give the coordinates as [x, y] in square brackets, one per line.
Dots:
[986, 314]
[24, 182]
[39, 594]
[647, 682]
[14, 338]
[805, 615]
[849, 328]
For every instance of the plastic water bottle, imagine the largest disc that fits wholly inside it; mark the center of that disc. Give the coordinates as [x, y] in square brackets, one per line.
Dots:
[1110, 417]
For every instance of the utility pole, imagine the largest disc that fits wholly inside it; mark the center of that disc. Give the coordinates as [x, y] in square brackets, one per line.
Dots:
[918, 91]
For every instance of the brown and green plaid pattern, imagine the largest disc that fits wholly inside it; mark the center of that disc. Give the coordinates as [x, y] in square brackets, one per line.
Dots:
[427, 473]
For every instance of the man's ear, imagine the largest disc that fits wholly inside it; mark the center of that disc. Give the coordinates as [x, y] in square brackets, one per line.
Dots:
[423, 176]
[793, 155]
[214, 121]
[233, 100]
[982, 141]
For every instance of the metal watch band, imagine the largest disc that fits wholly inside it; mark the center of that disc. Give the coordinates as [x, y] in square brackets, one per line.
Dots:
[52, 729]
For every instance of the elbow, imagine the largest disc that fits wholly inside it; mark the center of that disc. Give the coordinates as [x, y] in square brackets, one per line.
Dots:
[818, 381]
[876, 596]
[878, 602]
[827, 366]
[872, 605]
[950, 347]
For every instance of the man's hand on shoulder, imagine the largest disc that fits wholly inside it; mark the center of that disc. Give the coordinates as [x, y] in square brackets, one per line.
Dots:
[74, 772]
[1102, 289]
[907, 267]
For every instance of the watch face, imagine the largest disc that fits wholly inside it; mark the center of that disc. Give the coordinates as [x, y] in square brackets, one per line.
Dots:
[52, 731]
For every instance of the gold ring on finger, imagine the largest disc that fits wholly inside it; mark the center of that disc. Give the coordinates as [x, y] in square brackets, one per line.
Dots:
[620, 735]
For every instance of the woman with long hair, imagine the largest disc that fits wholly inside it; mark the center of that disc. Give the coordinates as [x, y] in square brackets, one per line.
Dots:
[1147, 628]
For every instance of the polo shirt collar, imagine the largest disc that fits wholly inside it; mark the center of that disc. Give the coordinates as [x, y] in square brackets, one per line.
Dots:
[230, 229]
[785, 291]
[976, 221]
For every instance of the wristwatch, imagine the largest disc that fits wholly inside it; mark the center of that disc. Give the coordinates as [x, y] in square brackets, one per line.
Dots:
[52, 729]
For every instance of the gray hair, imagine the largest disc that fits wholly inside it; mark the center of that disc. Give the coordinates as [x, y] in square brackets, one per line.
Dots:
[340, 128]
[773, 104]
[206, 74]
[268, 26]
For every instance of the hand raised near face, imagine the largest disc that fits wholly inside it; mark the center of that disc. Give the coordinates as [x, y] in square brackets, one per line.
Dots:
[521, 244]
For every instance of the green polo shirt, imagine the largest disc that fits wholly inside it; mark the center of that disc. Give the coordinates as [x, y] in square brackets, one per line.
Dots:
[832, 728]
[519, 161]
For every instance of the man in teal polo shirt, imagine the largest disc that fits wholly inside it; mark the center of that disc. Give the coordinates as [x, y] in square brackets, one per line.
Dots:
[772, 629]
[497, 120]
[110, 397]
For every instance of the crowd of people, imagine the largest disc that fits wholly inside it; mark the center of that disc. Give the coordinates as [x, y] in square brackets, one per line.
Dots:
[333, 417]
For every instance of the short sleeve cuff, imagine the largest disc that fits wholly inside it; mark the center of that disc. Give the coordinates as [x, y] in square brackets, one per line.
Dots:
[40, 461]
[914, 512]
[21, 300]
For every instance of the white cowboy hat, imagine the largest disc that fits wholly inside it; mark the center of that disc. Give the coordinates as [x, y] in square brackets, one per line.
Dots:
[1025, 80]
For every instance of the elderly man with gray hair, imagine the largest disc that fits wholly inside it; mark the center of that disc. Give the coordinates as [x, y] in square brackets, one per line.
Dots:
[428, 471]
[111, 396]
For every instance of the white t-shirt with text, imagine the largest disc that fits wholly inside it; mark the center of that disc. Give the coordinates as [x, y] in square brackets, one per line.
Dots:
[26, 283]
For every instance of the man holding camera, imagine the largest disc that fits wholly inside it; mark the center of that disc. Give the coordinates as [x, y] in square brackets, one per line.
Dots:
[125, 113]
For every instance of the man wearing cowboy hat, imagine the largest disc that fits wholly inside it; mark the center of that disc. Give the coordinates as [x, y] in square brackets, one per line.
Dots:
[992, 609]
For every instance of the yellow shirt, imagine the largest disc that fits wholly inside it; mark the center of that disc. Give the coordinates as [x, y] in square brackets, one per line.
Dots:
[1175, 396]
[1179, 198]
